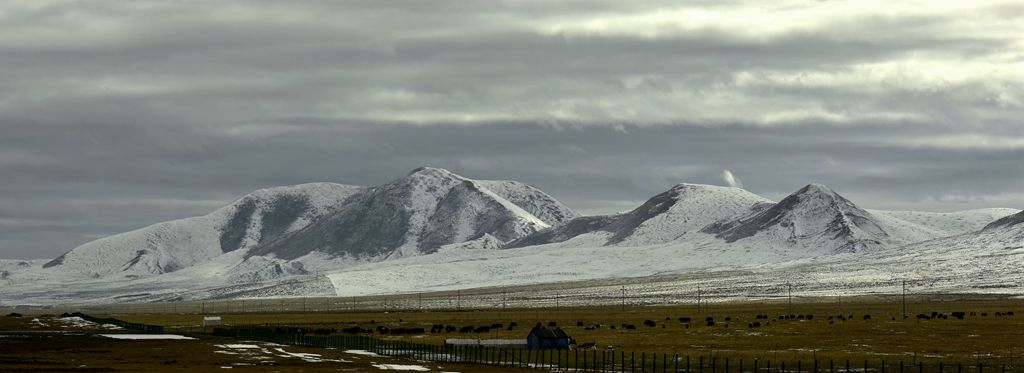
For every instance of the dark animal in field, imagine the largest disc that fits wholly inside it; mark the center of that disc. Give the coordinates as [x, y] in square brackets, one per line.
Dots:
[497, 326]
[482, 329]
[612, 327]
[810, 317]
[668, 318]
[449, 329]
[830, 322]
[513, 324]
[629, 326]
[711, 322]
[709, 319]
[761, 317]
[935, 314]
[552, 323]
[984, 313]
[436, 328]
[999, 314]
[922, 316]
[958, 315]
[755, 324]
[867, 317]
[684, 320]
[942, 316]
[783, 317]
[799, 317]
[649, 323]
[355, 330]
[466, 329]
[587, 346]
[1010, 313]
[728, 318]
[974, 313]
[579, 323]
[15, 314]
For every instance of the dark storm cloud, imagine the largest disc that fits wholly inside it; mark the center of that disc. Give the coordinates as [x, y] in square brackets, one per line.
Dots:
[115, 115]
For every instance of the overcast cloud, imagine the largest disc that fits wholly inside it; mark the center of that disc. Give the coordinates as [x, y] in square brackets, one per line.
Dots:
[119, 114]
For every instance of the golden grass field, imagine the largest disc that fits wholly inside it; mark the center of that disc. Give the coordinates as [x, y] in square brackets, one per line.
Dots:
[991, 340]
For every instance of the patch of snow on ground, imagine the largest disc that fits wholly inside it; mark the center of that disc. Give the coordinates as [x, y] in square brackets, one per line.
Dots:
[361, 352]
[79, 322]
[310, 358]
[418, 368]
[238, 346]
[145, 336]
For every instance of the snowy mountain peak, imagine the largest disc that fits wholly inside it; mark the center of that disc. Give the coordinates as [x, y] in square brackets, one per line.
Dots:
[815, 217]
[419, 213]
[256, 218]
[431, 172]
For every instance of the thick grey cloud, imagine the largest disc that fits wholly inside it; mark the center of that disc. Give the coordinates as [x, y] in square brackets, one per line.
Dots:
[114, 115]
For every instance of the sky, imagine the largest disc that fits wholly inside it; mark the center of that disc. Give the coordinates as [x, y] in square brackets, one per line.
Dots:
[119, 114]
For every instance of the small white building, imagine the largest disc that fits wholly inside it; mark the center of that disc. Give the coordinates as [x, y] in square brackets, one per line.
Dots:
[211, 320]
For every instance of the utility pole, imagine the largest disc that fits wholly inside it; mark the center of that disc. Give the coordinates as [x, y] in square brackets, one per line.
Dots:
[904, 299]
[790, 298]
[556, 299]
[458, 297]
[698, 299]
[504, 304]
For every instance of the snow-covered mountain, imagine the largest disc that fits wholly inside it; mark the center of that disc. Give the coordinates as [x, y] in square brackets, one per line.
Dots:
[811, 222]
[670, 216]
[435, 230]
[418, 214]
[293, 230]
[250, 221]
[814, 218]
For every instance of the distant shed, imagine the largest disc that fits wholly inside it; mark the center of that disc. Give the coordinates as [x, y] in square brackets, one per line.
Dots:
[543, 338]
[211, 320]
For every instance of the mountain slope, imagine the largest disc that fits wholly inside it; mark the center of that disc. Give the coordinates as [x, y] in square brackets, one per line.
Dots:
[418, 214]
[672, 215]
[170, 246]
[814, 218]
[1016, 220]
[284, 231]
